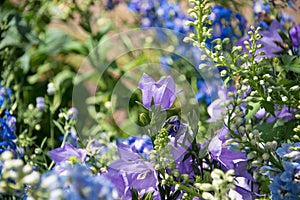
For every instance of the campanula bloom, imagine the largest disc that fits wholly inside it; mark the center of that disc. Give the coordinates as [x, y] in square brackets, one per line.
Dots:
[132, 171]
[295, 36]
[163, 92]
[69, 154]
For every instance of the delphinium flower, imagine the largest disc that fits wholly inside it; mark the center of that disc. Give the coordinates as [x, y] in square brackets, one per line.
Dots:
[5, 94]
[163, 14]
[141, 144]
[77, 183]
[286, 20]
[226, 24]
[7, 123]
[7, 130]
[131, 170]
[163, 92]
[285, 113]
[262, 13]
[69, 154]
[286, 185]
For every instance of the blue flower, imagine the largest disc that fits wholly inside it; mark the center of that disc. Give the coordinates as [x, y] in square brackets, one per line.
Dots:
[223, 24]
[40, 103]
[139, 144]
[286, 184]
[77, 183]
[7, 129]
[161, 13]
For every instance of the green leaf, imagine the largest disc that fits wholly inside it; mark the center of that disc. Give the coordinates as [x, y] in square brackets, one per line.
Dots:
[55, 40]
[252, 109]
[59, 126]
[61, 77]
[148, 196]
[76, 47]
[134, 194]
[25, 62]
[291, 63]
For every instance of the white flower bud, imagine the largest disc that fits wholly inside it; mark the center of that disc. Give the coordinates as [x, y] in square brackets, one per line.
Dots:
[32, 178]
[206, 187]
[294, 88]
[265, 156]
[251, 155]
[284, 98]
[261, 82]
[207, 195]
[223, 73]
[7, 155]
[27, 169]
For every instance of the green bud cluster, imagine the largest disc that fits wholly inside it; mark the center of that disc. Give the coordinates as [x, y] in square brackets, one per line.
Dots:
[15, 175]
[219, 187]
[161, 155]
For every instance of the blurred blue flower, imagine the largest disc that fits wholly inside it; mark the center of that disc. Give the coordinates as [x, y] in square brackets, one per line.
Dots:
[77, 183]
[162, 13]
[226, 24]
[286, 184]
[40, 103]
[7, 129]
[72, 113]
[5, 94]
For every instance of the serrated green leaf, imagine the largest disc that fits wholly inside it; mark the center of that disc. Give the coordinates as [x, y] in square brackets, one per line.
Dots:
[252, 109]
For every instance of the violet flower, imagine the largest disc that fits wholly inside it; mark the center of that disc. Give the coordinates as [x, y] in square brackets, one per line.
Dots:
[163, 91]
[132, 171]
[67, 154]
[295, 35]
[232, 160]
